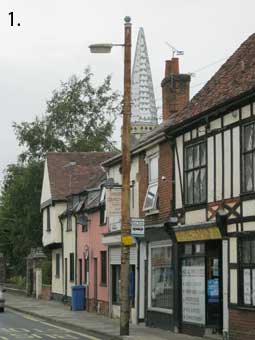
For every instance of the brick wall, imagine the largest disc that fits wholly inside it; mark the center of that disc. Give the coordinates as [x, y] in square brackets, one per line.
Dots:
[241, 324]
[164, 186]
[102, 307]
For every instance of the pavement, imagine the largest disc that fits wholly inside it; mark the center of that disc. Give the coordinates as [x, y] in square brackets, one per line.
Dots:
[85, 322]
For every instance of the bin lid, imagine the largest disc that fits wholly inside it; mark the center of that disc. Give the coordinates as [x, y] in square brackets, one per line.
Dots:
[77, 287]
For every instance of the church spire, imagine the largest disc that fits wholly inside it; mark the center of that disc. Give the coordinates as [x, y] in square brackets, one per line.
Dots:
[144, 111]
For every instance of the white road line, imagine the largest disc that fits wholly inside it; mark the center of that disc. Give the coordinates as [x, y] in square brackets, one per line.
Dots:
[90, 337]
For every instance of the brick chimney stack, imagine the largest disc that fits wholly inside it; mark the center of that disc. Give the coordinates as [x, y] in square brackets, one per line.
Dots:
[175, 89]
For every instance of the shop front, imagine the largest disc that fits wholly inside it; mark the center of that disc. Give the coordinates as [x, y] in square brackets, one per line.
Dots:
[200, 280]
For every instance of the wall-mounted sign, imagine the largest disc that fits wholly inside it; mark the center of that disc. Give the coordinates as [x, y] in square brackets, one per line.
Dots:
[198, 234]
[193, 292]
[127, 240]
[137, 227]
[113, 208]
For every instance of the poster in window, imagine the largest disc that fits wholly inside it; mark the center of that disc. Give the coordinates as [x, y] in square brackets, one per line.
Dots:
[253, 287]
[193, 291]
[247, 286]
[213, 290]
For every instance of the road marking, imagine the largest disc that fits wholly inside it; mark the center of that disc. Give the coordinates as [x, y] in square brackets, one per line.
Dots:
[3, 338]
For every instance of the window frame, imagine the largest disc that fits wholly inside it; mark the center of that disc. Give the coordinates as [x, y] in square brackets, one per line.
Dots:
[71, 267]
[69, 226]
[153, 245]
[103, 263]
[192, 170]
[244, 153]
[57, 272]
[48, 218]
[250, 266]
[152, 183]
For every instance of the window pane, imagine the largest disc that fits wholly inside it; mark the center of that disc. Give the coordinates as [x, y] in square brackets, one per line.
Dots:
[248, 171]
[196, 156]
[150, 199]
[161, 277]
[190, 187]
[253, 286]
[202, 154]
[196, 186]
[246, 251]
[202, 185]
[153, 169]
[253, 252]
[190, 158]
[248, 137]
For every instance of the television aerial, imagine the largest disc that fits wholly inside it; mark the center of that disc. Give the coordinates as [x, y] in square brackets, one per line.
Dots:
[174, 50]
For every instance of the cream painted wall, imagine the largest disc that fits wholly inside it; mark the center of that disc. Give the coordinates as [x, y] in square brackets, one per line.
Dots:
[53, 236]
[195, 216]
[233, 285]
[46, 192]
[57, 282]
[69, 247]
[233, 250]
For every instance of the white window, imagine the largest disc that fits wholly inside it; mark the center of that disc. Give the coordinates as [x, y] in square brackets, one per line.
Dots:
[150, 202]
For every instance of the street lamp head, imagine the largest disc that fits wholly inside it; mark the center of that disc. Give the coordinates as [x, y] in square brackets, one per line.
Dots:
[127, 19]
[100, 48]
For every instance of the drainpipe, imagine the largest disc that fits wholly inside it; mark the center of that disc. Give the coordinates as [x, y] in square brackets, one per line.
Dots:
[138, 281]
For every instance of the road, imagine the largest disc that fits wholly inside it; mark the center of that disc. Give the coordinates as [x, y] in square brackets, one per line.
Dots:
[19, 326]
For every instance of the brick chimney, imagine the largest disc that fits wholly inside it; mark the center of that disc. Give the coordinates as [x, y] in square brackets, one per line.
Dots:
[175, 89]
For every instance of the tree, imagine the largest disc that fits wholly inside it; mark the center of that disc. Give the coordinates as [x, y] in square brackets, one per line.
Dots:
[79, 117]
[20, 218]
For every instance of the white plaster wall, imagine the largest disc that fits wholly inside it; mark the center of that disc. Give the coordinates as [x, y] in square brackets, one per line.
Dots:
[179, 176]
[233, 285]
[215, 124]
[231, 118]
[218, 167]
[233, 250]
[142, 280]
[227, 164]
[53, 236]
[236, 161]
[195, 216]
[69, 247]
[246, 111]
[57, 283]
[210, 169]
[249, 226]
[46, 192]
[249, 208]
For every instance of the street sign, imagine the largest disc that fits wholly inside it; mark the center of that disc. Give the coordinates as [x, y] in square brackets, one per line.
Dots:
[137, 227]
[127, 240]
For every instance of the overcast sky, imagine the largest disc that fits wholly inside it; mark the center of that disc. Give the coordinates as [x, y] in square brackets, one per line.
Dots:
[52, 41]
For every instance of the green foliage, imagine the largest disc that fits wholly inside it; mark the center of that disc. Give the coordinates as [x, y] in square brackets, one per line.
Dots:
[20, 218]
[79, 117]
[19, 281]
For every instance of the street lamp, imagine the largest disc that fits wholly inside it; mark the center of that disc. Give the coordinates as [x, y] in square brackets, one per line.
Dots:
[126, 239]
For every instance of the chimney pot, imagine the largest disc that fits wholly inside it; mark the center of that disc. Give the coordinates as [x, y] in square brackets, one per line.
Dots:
[172, 67]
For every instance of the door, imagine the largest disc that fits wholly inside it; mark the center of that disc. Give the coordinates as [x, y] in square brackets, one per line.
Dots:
[65, 276]
[80, 271]
[214, 285]
[95, 281]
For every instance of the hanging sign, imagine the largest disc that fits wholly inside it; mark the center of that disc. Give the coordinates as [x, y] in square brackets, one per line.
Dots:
[137, 227]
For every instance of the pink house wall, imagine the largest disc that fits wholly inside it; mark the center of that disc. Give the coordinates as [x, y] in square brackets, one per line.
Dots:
[93, 240]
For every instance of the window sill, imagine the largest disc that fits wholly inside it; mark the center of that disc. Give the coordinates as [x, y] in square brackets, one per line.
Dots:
[67, 230]
[153, 212]
[160, 310]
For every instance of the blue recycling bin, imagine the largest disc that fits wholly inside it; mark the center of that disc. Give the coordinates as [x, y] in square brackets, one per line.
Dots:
[78, 298]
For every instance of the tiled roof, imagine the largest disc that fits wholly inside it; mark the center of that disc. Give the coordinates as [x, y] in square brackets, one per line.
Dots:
[234, 78]
[71, 172]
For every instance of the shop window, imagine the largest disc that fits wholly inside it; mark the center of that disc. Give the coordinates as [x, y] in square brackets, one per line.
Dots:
[161, 277]
[248, 271]
[195, 173]
[116, 284]
[103, 268]
[48, 219]
[57, 265]
[71, 258]
[151, 197]
[249, 158]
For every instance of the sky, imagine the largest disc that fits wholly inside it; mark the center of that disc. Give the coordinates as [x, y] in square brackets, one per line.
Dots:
[51, 44]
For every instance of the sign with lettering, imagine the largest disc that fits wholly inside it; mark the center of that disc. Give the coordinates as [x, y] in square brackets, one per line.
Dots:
[193, 294]
[198, 234]
[137, 227]
[113, 208]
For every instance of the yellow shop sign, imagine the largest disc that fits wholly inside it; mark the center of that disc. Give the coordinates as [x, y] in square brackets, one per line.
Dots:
[198, 234]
